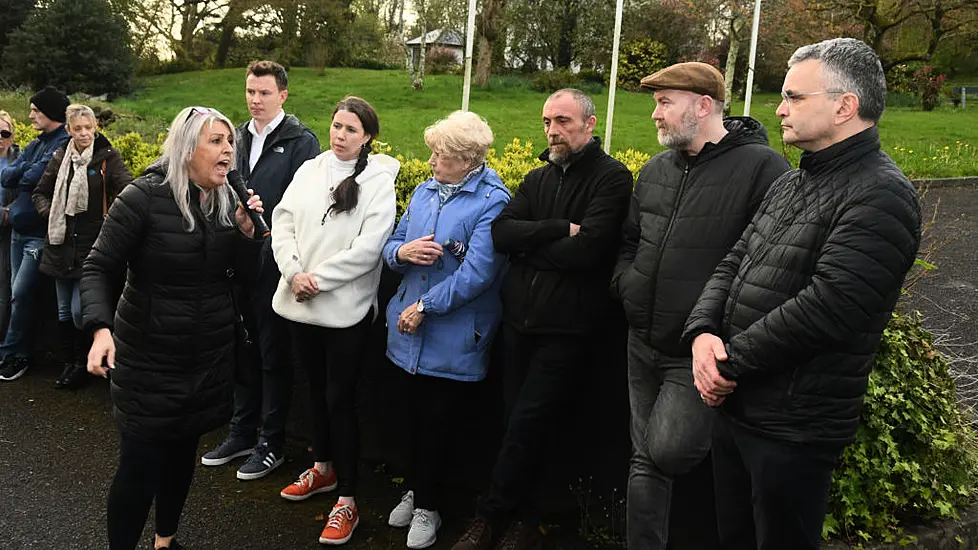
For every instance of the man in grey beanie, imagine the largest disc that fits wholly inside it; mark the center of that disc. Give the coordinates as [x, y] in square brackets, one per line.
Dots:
[27, 228]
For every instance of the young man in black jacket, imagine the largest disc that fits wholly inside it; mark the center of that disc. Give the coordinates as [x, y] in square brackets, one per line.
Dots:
[785, 332]
[690, 205]
[561, 231]
[270, 148]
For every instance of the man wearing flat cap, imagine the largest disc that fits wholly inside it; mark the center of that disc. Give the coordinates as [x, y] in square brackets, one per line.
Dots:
[690, 204]
[27, 228]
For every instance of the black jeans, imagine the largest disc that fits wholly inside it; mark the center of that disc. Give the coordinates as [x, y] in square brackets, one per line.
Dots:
[770, 495]
[541, 374]
[333, 359]
[148, 471]
[434, 405]
[263, 384]
[671, 430]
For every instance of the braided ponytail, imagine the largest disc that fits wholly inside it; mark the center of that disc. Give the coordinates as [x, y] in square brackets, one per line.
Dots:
[347, 193]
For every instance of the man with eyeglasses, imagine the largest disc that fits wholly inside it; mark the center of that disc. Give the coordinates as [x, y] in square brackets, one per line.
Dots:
[28, 229]
[785, 332]
[270, 148]
[690, 204]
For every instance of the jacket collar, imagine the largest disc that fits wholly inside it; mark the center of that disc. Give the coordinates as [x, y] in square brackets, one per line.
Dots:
[57, 133]
[471, 183]
[838, 155]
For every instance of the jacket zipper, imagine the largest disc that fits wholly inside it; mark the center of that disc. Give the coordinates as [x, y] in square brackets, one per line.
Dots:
[665, 237]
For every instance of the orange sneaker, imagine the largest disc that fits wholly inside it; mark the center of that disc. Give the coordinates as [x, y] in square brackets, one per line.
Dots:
[309, 483]
[340, 525]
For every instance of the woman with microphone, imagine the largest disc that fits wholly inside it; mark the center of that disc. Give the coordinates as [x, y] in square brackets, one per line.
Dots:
[175, 239]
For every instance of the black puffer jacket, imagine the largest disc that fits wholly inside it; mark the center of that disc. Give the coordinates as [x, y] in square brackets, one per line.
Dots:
[686, 214]
[557, 284]
[803, 297]
[174, 327]
[65, 260]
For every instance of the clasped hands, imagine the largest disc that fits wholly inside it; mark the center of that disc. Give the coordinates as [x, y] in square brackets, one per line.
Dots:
[713, 387]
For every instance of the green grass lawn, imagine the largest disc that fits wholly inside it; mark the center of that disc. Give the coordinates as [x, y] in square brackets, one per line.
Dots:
[512, 109]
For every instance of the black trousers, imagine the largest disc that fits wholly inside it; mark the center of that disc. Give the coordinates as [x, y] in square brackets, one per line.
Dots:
[434, 405]
[148, 471]
[333, 359]
[263, 384]
[770, 495]
[541, 375]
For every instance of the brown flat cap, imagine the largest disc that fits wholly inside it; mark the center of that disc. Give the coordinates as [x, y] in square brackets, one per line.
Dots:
[694, 76]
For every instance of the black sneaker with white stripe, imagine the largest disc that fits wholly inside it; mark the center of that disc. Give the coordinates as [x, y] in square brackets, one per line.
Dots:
[262, 461]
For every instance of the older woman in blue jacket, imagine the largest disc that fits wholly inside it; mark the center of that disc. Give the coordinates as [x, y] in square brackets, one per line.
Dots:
[447, 309]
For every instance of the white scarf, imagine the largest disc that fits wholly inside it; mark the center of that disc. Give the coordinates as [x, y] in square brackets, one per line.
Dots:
[70, 197]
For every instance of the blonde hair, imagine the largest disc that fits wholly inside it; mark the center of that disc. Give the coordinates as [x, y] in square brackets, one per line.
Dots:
[463, 134]
[5, 116]
[178, 148]
[76, 110]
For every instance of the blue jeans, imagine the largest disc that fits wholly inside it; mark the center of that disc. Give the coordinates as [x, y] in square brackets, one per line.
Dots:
[671, 431]
[25, 260]
[69, 301]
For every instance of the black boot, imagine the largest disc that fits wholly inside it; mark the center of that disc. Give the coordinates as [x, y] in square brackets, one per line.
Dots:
[73, 374]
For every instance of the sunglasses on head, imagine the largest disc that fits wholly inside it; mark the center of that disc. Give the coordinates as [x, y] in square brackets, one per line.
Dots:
[200, 111]
[5, 134]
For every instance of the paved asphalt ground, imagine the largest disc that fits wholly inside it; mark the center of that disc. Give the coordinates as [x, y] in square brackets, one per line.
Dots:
[58, 450]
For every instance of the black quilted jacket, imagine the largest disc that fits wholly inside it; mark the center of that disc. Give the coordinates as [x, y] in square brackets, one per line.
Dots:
[803, 297]
[686, 214]
[174, 328]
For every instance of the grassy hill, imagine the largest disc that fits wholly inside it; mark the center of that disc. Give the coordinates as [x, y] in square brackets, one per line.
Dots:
[915, 139]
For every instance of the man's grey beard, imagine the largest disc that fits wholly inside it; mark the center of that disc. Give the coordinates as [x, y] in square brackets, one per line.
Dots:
[681, 138]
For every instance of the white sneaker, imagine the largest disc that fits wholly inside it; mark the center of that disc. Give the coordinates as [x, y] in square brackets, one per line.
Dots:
[424, 528]
[402, 513]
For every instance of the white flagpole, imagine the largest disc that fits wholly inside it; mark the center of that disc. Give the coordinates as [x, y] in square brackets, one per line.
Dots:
[613, 82]
[469, 38]
[753, 57]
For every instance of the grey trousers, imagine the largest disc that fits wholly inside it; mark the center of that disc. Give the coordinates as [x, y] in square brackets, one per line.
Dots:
[671, 431]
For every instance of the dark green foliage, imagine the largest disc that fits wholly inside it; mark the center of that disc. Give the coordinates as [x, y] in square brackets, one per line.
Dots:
[76, 45]
[913, 455]
[638, 59]
[551, 81]
[14, 12]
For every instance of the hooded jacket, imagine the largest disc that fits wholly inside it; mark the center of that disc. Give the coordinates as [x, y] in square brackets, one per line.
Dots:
[65, 260]
[803, 297]
[342, 251]
[174, 327]
[685, 215]
[557, 284]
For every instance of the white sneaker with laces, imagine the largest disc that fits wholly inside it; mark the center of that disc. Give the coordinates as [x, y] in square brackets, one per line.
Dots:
[402, 513]
[424, 528]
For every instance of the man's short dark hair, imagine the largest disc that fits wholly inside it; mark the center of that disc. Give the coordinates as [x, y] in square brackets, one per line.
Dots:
[265, 68]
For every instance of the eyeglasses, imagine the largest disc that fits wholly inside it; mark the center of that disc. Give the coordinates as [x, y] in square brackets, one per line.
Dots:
[5, 134]
[790, 97]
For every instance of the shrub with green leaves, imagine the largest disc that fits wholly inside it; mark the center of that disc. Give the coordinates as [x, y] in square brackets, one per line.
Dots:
[913, 458]
[638, 59]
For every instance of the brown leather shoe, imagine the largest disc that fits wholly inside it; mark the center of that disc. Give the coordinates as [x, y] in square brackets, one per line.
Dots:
[477, 536]
[521, 536]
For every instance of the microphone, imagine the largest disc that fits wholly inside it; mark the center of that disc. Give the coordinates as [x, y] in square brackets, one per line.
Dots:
[237, 183]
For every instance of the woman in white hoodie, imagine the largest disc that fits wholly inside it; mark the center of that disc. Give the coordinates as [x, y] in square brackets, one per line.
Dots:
[328, 234]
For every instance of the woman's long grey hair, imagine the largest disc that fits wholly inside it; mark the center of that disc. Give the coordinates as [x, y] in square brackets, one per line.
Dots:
[178, 148]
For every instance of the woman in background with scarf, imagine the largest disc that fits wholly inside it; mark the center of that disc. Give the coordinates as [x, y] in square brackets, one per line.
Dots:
[73, 196]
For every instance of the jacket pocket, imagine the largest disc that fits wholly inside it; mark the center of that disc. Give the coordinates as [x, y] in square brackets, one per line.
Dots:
[633, 290]
[23, 216]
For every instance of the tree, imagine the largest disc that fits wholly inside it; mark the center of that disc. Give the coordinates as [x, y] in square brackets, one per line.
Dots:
[76, 45]
[14, 12]
[489, 27]
[927, 22]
